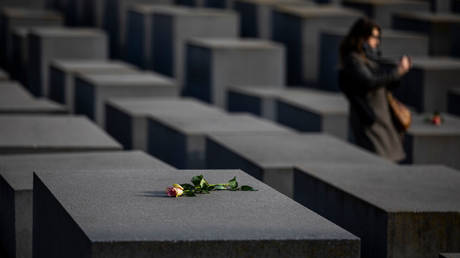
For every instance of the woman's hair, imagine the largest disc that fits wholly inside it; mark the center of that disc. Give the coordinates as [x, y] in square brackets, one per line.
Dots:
[358, 34]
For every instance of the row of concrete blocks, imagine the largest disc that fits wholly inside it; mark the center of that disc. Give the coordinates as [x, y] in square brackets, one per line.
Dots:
[364, 194]
[171, 59]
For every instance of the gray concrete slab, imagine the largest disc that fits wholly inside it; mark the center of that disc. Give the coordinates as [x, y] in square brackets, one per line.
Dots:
[21, 134]
[442, 6]
[14, 99]
[453, 101]
[399, 211]
[382, 11]
[62, 76]
[256, 16]
[442, 29]
[16, 176]
[394, 45]
[314, 111]
[301, 109]
[181, 140]
[125, 212]
[19, 55]
[426, 143]
[114, 22]
[126, 118]
[259, 101]
[13, 17]
[214, 64]
[298, 28]
[93, 90]
[46, 44]
[425, 86]
[173, 26]
[271, 158]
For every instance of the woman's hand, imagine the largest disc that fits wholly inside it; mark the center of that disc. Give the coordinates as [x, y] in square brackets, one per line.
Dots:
[404, 65]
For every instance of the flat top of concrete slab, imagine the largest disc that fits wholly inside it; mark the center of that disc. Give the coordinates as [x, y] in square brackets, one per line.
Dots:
[286, 150]
[17, 169]
[436, 63]
[422, 126]
[128, 205]
[167, 106]
[219, 123]
[232, 43]
[66, 32]
[145, 8]
[273, 2]
[430, 17]
[325, 103]
[27, 13]
[15, 99]
[52, 133]
[21, 31]
[386, 33]
[138, 79]
[395, 189]
[317, 101]
[327, 11]
[383, 2]
[75, 65]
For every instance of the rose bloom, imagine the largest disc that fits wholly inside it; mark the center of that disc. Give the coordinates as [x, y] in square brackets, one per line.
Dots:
[175, 190]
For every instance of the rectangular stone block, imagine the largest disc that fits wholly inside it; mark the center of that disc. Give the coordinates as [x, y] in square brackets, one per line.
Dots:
[19, 55]
[181, 140]
[62, 76]
[301, 109]
[23, 134]
[382, 11]
[16, 174]
[13, 17]
[426, 143]
[442, 6]
[394, 45]
[94, 13]
[173, 26]
[46, 44]
[298, 28]
[453, 101]
[14, 99]
[126, 118]
[425, 86]
[259, 101]
[399, 211]
[256, 16]
[443, 30]
[214, 64]
[114, 22]
[272, 157]
[93, 90]
[314, 111]
[125, 213]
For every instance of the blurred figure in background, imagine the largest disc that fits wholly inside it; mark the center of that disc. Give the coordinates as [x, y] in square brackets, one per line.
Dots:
[365, 78]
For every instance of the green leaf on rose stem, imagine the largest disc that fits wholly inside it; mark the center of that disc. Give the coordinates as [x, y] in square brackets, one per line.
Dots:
[233, 184]
[189, 193]
[196, 180]
[211, 188]
[204, 184]
[205, 191]
[187, 186]
[220, 187]
[247, 188]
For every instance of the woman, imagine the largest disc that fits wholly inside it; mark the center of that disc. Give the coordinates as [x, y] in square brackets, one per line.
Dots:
[365, 79]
